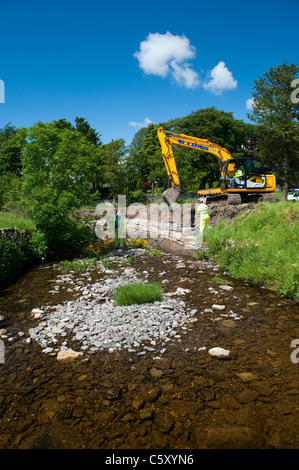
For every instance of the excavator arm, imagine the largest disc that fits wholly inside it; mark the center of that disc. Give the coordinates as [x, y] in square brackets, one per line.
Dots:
[167, 140]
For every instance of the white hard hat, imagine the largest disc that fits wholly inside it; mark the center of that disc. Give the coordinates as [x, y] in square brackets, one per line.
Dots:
[200, 200]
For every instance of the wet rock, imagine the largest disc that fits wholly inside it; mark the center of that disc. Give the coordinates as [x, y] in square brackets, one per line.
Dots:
[261, 388]
[151, 394]
[222, 331]
[156, 373]
[214, 375]
[105, 416]
[218, 307]
[55, 436]
[219, 352]
[247, 415]
[229, 323]
[113, 393]
[247, 396]
[247, 376]
[264, 370]
[159, 440]
[231, 437]
[207, 394]
[145, 413]
[275, 441]
[137, 403]
[68, 355]
[129, 417]
[165, 420]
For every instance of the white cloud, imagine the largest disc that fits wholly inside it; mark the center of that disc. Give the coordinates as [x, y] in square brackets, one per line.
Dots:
[221, 79]
[249, 103]
[145, 123]
[184, 75]
[166, 54]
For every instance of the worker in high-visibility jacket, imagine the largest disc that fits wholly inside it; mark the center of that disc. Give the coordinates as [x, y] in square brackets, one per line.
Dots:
[203, 212]
[120, 228]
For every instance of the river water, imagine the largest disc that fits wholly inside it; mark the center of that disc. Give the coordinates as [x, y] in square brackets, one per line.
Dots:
[186, 399]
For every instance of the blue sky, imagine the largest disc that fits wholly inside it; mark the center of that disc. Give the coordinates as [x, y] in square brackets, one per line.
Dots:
[120, 64]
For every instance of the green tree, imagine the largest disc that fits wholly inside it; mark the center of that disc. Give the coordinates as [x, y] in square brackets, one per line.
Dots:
[58, 165]
[137, 169]
[277, 116]
[84, 128]
[10, 151]
[196, 169]
[114, 166]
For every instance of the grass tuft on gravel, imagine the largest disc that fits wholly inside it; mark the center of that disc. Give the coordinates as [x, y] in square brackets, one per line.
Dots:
[138, 293]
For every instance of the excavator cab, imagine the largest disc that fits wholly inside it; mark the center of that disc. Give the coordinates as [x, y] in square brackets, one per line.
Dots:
[246, 174]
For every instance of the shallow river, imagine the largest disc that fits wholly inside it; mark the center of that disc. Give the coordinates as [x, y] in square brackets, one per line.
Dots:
[188, 399]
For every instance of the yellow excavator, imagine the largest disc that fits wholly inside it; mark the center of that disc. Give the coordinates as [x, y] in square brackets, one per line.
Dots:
[241, 179]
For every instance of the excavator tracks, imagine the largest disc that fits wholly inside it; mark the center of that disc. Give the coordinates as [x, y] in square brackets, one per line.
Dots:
[268, 198]
[234, 199]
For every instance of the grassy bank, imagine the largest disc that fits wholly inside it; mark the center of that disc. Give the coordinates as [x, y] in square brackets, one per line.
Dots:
[262, 247]
[11, 220]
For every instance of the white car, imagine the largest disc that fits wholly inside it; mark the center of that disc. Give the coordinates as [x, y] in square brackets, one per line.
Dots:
[293, 196]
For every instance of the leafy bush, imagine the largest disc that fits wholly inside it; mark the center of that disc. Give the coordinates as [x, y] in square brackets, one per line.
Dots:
[199, 254]
[136, 196]
[138, 293]
[107, 263]
[38, 245]
[76, 265]
[156, 253]
[19, 250]
[10, 259]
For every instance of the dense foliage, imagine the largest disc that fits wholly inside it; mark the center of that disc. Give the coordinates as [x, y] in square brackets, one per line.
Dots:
[277, 115]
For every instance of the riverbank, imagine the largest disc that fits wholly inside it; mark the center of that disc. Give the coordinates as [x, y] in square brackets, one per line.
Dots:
[261, 246]
[164, 392]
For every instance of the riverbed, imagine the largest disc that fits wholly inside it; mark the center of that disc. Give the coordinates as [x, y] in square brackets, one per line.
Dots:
[163, 393]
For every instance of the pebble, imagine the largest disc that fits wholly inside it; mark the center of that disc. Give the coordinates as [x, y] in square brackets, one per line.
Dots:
[219, 352]
[97, 323]
[218, 307]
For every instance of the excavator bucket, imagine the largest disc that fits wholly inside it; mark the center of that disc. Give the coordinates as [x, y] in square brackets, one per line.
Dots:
[170, 196]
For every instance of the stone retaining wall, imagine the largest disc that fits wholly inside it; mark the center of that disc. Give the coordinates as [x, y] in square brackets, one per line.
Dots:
[161, 223]
[159, 230]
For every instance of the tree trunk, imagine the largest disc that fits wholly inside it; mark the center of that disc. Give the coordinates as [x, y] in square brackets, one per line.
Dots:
[286, 174]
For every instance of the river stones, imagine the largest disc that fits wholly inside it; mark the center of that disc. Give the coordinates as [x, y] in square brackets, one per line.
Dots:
[55, 436]
[230, 437]
[68, 355]
[219, 352]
